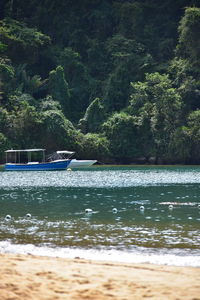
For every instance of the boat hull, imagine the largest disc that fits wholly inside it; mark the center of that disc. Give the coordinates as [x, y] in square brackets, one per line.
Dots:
[48, 166]
[81, 163]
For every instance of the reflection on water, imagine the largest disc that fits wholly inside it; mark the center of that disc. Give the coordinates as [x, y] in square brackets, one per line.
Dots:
[102, 177]
[128, 211]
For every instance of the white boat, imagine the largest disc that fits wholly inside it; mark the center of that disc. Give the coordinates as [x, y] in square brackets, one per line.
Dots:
[74, 163]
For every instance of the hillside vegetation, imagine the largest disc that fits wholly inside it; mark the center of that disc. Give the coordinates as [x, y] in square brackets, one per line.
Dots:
[113, 80]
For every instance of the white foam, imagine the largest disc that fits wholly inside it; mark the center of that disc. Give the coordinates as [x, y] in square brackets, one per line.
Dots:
[136, 256]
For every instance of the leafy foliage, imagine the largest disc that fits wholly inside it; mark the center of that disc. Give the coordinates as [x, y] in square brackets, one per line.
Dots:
[21, 41]
[113, 80]
[94, 117]
[95, 146]
[158, 102]
[122, 132]
[58, 88]
[189, 38]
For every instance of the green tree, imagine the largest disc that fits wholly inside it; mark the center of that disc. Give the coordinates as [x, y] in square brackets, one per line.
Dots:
[59, 89]
[6, 76]
[94, 146]
[130, 60]
[161, 104]
[49, 104]
[130, 18]
[23, 43]
[186, 140]
[3, 120]
[94, 117]
[4, 144]
[193, 131]
[122, 133]
[25, 83]
[23, 123]
[81, 84]
[57, 132]
[189, 37]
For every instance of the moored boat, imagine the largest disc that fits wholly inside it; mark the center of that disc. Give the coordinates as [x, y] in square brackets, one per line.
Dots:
[81, 163]
[74, 163]
[17, 164]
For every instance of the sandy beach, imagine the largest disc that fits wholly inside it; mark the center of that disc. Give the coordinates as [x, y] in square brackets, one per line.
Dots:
[38, 278]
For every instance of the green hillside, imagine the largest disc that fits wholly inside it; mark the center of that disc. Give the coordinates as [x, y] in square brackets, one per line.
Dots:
[113, 80]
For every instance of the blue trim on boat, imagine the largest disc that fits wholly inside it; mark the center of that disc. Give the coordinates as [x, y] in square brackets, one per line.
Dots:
[48, 166]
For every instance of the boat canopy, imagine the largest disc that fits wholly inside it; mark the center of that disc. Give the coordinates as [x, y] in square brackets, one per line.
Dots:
[65, 152]
[15, 154]
[24, 150]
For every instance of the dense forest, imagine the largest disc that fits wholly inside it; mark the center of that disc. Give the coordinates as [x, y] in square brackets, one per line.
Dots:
[113, 80]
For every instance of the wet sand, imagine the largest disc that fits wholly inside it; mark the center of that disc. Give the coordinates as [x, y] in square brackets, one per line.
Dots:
[34, 277]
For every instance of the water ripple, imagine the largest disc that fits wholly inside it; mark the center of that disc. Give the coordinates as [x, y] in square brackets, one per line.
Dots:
[106, 178]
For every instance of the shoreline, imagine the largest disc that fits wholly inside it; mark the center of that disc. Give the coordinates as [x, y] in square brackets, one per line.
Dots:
[40, 277]
[187, 258]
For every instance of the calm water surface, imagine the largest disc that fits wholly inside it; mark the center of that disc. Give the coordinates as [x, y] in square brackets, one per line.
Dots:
[129, 219]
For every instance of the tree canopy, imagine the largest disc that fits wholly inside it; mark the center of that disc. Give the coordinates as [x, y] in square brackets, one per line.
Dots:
[117, 81]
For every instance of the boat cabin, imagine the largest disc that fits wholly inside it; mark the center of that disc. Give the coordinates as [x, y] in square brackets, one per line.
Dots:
[25, 156]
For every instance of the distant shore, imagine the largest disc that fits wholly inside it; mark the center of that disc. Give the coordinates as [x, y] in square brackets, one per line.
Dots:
[34, 277]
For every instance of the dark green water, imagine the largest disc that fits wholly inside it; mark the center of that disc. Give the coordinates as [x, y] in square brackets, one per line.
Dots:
[130, 218]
